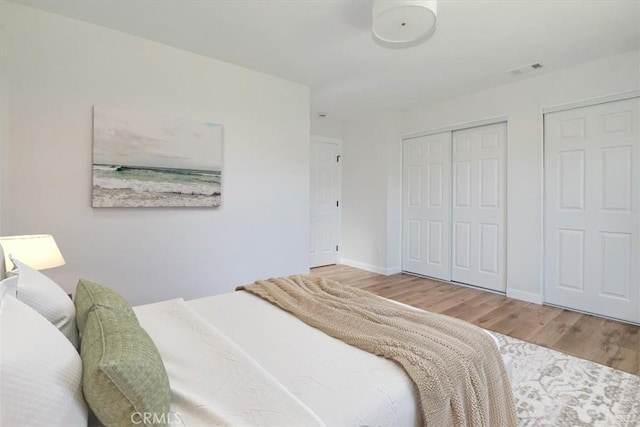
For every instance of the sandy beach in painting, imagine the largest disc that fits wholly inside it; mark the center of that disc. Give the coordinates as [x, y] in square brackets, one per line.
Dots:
[129, 186]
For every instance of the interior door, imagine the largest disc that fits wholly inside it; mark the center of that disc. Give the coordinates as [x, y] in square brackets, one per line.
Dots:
[478, 206]
[426, 205]
[592, 215]
[325, 196]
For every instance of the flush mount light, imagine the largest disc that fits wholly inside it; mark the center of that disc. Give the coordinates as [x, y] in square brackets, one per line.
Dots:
[403, 23]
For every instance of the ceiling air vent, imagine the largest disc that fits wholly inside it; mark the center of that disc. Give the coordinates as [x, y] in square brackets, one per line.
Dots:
[524, 69]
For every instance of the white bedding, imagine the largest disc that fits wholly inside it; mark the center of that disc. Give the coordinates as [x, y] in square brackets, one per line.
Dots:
[213, 381]
[259, 357]
[232, 352]
[341, 384]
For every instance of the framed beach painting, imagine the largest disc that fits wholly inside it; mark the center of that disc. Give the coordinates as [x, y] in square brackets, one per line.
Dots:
[145, 160]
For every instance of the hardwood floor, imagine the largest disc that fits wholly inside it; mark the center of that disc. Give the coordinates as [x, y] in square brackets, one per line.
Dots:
[604, 341]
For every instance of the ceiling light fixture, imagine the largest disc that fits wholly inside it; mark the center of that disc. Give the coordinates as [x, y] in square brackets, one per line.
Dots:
[403, 23]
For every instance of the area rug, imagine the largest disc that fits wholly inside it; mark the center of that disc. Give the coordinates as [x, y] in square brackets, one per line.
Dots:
[556, 389]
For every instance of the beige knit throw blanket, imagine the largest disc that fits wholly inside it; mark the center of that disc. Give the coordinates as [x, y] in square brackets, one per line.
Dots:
[457, 370]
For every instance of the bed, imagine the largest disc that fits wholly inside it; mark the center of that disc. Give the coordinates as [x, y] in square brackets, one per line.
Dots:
[231, 359]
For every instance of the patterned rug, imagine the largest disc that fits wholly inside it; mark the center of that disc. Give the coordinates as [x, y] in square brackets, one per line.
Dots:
[555, 389]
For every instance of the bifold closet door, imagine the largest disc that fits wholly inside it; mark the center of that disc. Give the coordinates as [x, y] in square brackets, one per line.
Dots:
[478, 206]
[426, 205]
[592, 215]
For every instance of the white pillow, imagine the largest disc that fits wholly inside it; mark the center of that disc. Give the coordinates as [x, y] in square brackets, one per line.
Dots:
[3, 267]
[8, 286]
[47, 298]
[41, 372]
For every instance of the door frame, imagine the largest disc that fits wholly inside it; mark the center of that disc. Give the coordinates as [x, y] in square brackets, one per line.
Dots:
[336, 141]
[619, 96]
[457, 126]
[590, 102]
[452, 128]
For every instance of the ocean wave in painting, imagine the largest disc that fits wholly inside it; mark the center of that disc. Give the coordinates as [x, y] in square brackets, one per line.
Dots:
[128, 186]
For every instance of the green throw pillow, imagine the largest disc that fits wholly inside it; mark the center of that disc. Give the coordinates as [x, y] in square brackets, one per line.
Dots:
[89, 294]
[123, 376]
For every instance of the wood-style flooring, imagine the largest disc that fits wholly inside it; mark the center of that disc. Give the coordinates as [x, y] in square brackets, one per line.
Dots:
[604, 341]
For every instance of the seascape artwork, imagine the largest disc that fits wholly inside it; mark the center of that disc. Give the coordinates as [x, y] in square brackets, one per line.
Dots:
[143, 160]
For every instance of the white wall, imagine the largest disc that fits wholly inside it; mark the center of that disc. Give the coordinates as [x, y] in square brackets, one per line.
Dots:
[371, 183]
[326, 126]
[57, 68]
[4, 118]
[522, 101]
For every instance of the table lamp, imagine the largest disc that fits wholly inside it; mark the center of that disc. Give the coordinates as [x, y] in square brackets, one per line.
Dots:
[38, 251]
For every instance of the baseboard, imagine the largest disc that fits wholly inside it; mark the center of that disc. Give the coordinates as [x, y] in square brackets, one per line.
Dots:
[372, 268]
[524, 296]
[393, 270]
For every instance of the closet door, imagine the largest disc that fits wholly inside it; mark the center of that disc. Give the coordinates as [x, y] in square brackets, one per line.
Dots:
[592, 215]
[478, 206]
[426, 205]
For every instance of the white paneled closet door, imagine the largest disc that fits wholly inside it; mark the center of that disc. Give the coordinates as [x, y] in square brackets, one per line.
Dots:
[478, 206]
[592, 215]
[426, 205]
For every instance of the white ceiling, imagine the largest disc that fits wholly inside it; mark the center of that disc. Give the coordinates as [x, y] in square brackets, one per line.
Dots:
[328, 45]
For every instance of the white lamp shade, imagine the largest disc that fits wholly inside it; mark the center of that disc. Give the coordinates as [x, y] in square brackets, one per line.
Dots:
[38, 251]
[403, 23]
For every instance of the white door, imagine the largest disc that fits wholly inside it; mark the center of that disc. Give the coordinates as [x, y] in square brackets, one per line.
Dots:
[325, 200]
[592, 212]
[478, 206]
[426, 205]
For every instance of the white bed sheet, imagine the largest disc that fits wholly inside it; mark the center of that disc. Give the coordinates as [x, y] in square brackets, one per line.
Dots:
[213, 381]
[336, 383]
[342, 385]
